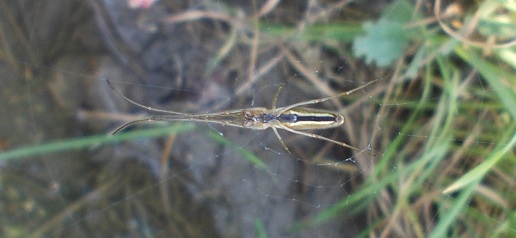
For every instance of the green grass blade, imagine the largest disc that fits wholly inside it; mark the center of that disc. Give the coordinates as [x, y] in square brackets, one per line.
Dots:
[248, 155]
[260, 229]
[88, 141]
[450, 212]
[495, 76]
[486, 166]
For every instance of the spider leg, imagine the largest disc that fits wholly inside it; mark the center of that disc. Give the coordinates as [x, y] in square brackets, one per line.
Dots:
[321, 138]
[141, 105]
[280, 140]
[122, 127]
[315, 101]
[274, 101]
[276, 96]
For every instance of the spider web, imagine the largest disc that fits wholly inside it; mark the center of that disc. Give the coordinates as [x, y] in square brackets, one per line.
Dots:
[211, 180]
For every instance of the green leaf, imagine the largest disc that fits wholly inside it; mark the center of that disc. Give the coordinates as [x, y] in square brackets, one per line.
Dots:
[400, 11]
[386, 39]
[383, 43]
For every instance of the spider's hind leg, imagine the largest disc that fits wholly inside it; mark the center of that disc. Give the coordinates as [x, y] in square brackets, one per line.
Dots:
[280, 140]
[322, 138]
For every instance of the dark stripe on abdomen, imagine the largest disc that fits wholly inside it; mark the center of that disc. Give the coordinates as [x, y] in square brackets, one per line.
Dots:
[316, 118]
[292, 118]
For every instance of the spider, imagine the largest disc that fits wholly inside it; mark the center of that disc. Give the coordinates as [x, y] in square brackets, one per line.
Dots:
[293, 118]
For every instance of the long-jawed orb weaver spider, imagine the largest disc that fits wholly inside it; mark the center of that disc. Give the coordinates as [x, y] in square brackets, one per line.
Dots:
[293, 118]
